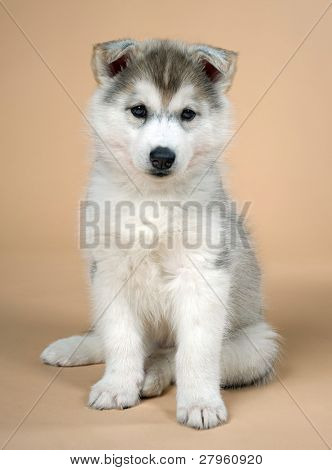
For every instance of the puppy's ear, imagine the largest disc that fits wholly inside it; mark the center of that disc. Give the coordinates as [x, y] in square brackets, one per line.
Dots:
[218, 64]
[110, 58]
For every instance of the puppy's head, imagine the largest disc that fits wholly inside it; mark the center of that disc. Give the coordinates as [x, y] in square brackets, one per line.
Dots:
[160, 106]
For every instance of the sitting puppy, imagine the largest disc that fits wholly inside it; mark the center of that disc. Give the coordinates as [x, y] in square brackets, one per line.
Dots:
[176, 296]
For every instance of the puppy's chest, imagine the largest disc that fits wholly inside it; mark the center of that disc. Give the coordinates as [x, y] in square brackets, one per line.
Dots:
[149, 243]
[148, 289]
[150, 225]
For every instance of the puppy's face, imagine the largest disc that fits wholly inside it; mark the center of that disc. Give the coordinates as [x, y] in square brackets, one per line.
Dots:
[160, 107]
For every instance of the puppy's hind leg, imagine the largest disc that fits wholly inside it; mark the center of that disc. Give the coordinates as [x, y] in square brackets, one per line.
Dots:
[159, 372]
[74, 351]
[249, 357]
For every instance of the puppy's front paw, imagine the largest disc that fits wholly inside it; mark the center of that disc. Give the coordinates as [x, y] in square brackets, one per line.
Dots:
[202, 416]
[106, 395]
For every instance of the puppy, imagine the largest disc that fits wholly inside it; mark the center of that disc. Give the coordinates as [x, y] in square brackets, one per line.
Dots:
[176, 295]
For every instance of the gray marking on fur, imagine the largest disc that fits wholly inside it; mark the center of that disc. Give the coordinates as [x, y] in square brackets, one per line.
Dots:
[223, 260]
[169, 65]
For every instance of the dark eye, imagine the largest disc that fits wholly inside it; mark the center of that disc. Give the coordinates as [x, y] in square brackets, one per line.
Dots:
[188, 114]
[139, 111]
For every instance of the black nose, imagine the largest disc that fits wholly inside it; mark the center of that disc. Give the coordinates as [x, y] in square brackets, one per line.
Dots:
[162, 158]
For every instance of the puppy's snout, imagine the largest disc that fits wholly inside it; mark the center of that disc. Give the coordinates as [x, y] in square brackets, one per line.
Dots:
[162, 158]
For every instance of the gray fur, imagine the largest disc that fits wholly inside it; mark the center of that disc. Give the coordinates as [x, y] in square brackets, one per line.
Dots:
[168, 64]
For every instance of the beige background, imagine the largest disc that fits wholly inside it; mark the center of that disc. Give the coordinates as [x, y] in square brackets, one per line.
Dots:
[280, 160]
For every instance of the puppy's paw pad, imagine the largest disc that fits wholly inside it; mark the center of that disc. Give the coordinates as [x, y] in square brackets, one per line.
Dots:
[202, 417]
[105, 396]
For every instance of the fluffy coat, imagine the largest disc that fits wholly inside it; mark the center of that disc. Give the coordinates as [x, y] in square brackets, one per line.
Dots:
[166, 307]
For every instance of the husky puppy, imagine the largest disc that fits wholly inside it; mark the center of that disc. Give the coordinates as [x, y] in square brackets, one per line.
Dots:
[183, 312]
